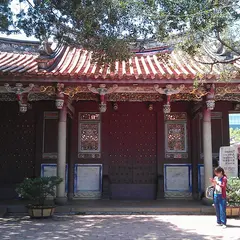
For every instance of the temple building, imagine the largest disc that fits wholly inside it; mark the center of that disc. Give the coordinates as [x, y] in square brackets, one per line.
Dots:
[143, 131]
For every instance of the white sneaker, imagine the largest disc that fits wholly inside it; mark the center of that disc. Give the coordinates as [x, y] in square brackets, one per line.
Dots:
[224, 226]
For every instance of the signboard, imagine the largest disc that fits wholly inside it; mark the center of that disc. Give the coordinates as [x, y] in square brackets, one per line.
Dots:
[228, 160]
[177, 177]
[88, 180]
[50, 170]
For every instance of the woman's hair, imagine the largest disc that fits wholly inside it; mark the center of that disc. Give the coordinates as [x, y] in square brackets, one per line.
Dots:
[219, 170]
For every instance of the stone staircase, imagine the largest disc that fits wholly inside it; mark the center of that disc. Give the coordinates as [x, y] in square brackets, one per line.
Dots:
[3, 211]
[111, 207]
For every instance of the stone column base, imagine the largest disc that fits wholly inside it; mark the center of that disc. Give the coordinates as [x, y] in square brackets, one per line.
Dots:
[70, 196]
[160, 187]
[106, 188]
[61, 200]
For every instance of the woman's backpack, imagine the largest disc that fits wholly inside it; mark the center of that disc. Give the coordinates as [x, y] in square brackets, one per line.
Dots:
[209, 192]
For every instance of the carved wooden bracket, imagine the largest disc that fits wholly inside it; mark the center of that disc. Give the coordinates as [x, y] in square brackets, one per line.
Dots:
[21, 94]
[210, 97]
[102, 91]
[60, 98]
[168, 91]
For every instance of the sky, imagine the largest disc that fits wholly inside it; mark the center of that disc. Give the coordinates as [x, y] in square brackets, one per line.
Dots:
[21, 36]
[16, 6]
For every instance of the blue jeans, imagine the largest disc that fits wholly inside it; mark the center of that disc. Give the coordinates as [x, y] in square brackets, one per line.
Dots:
[220, 207]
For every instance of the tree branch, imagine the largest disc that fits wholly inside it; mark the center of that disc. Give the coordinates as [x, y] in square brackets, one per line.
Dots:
[218, 62]
[225, 44]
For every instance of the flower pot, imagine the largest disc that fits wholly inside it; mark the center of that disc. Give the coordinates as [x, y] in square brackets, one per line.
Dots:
[41, 211]
[233, 211]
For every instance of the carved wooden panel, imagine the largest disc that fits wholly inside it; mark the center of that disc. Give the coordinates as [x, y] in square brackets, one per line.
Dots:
[176, 135]
[89, 135]
[132, 150]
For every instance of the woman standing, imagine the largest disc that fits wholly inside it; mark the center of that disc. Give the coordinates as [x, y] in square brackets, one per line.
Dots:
[220, 197]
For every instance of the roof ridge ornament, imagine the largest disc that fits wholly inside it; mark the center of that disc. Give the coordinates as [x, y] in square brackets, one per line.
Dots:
[45, 48]
[44, 59]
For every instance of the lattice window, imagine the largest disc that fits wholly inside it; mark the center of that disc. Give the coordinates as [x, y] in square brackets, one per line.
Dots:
[176, 135]
[89, 135]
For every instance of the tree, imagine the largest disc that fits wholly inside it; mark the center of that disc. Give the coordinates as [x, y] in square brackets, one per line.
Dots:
[234, 135]
[5, 16]
[110, 27]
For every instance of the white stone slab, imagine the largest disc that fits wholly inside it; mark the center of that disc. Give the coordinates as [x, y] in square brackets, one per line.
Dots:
[49, 171]
[177, 178]
[88, 178]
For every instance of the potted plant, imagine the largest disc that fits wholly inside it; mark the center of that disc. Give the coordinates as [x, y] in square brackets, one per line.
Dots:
[233, 195]
[37, 190]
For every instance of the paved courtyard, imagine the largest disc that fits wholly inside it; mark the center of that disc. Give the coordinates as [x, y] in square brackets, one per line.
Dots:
[133, 227]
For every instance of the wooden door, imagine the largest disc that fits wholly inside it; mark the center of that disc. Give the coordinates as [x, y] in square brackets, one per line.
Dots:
[17, 147]
[132, 155]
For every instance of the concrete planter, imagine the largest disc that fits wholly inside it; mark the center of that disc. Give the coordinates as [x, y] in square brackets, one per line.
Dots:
[41, 211]
[233, 211]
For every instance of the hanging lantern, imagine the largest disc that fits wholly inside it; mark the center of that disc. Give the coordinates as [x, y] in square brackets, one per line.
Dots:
[150, 107]
[23, 107]
[115, 106]
[59, 102]
[167, 108]
[210, 104]
[102, 107]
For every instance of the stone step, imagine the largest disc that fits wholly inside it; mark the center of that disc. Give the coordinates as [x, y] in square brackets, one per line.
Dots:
[3, 211]
[201, 210]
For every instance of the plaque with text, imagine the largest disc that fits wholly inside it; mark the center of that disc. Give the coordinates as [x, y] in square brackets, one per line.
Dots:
[177, 177]
[228, 160]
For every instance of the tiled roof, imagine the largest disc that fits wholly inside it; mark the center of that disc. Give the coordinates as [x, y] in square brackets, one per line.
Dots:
[74, 64]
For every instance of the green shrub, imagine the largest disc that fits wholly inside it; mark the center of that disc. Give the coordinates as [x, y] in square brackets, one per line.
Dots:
[38, 189]
[233, 191]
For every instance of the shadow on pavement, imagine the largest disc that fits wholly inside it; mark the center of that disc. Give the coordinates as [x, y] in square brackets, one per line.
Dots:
[101, 228]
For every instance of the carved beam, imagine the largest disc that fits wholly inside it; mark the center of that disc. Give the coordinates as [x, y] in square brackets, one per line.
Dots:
[102, 91]
[22, 94]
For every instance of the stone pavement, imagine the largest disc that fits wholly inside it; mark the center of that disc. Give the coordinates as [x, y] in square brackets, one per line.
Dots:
[131, 227]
